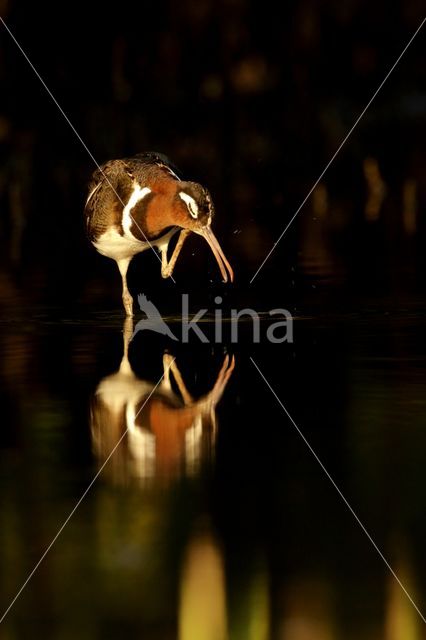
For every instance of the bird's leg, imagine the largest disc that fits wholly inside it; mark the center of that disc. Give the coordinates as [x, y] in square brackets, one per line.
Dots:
[186, 396]
[170, 367]
[167, 267]
[167, 361]
[225, 373]
[164, 262]
[212, 398]
[123, 265]
[127, 336]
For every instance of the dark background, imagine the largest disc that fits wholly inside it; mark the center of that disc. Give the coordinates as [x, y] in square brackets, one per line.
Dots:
[250, 100]
[253, 105]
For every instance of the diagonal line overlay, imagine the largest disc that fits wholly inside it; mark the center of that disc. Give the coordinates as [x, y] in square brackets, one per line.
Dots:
[345, 139]
[75, 132]
[78, 503]
[339, 491]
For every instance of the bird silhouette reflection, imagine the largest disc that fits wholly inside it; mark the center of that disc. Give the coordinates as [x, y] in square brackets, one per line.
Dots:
[164, 432]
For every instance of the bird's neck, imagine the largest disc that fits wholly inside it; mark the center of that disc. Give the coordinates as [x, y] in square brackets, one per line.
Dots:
[164, 212]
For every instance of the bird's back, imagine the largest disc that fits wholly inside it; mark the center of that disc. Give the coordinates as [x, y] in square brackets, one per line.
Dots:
[156, 161]
[109, 188]
[112, 184]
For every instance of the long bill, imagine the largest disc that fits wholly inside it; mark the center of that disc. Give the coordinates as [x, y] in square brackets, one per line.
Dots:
[224, 266]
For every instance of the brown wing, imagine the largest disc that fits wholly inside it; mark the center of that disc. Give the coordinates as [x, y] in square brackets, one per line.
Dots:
[109, 190]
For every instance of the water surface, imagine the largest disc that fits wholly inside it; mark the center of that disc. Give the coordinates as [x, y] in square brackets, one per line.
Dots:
[213, 519]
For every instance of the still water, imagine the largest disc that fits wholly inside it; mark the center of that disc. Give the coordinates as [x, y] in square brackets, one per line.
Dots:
[212, 519]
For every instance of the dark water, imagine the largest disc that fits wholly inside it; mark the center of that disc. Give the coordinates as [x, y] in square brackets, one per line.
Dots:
[213, 519]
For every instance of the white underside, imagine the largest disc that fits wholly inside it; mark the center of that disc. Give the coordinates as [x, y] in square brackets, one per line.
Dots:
[123, 247]
[118, 247]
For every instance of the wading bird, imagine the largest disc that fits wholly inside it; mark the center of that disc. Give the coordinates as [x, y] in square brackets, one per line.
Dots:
[139, 203]
[162, 431]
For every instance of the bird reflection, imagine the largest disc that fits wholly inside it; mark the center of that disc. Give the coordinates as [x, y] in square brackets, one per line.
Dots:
[165, 433]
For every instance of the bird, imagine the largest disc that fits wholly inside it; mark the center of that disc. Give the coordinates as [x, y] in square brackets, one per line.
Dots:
[162, 430]
[134, 204]
[153, 321]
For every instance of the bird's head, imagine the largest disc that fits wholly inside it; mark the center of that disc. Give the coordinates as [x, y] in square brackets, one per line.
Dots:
[196, 204]
[196, 213]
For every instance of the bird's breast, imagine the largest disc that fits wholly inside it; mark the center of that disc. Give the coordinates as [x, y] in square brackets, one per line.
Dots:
[120, 226]
[114, 245]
